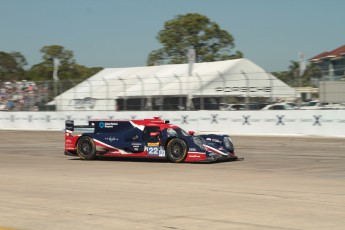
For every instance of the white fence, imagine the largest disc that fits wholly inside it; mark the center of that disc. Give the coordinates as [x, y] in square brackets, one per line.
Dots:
[285, 122]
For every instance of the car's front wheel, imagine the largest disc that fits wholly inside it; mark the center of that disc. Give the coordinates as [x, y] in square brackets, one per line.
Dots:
[86, 148]
[176, 150]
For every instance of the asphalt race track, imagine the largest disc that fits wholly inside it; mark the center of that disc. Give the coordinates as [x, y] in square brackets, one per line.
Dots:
[283, 183]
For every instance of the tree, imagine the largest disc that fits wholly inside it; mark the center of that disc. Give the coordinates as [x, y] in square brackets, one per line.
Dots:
[314, 71]
[73, 72]
[283, 76]
[56, 51]
[292, 78]
[44, 70]
[12, 66]
[293, 73]
[192, 30]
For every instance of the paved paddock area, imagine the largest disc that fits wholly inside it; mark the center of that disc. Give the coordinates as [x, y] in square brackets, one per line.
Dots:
[283, 183]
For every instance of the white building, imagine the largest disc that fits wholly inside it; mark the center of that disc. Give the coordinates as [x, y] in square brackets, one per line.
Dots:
[168, 87]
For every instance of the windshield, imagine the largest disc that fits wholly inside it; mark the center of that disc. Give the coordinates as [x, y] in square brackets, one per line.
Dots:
[177, 132]
[228, 144]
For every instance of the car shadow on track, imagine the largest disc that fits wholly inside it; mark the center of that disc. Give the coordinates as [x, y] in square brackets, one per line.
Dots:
[148, 160]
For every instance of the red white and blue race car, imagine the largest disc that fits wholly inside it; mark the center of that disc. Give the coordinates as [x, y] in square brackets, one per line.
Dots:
[147, 138]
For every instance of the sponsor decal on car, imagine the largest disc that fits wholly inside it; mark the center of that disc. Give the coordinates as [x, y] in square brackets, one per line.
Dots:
[107, 124]
[161, 151]
[153, 151]
[111, 139]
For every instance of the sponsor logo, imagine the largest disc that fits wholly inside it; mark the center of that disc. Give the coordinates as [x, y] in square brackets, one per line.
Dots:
[184, 119]
[216, 140]
[84, 103]
[111, 139]
[161, 151]
[306, 120]
[153, 151]
[194, 156]
[244, 89]
[110, 124]
[290, 120]
[107, 124]
[246, 120]
[280, 120]
[192, 149]
[214, 118]
[213, 140]
[153, 144]
[136, 144]
[317, 120]
[205, 119]
[156, 150]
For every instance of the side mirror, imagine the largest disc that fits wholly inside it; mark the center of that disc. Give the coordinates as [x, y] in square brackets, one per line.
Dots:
[191, 133]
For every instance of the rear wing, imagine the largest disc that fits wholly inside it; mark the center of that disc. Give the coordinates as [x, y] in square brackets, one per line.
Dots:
[69, 126]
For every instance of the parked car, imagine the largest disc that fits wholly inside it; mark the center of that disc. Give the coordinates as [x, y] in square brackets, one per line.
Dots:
[250, 106]
[316, 104]
[278, 106]
[228, 107]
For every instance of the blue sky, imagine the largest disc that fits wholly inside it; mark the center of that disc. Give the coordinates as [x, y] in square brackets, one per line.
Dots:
[121, 33]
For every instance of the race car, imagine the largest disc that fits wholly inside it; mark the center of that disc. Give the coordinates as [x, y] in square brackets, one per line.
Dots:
[147, 138]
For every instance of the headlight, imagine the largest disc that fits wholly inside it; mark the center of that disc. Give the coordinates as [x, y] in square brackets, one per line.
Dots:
[200, 142]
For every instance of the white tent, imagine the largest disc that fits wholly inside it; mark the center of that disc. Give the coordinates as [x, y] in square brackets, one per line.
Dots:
[239, 77]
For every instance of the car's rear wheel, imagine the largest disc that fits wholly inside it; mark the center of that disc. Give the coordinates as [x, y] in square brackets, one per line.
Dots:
[176, 150]
[86, 148]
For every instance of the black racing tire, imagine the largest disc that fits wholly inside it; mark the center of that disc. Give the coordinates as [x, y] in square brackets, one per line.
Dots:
[86, 148]
[176, 150]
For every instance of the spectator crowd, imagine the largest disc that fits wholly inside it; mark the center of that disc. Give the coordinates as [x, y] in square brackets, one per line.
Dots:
[21, 96]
